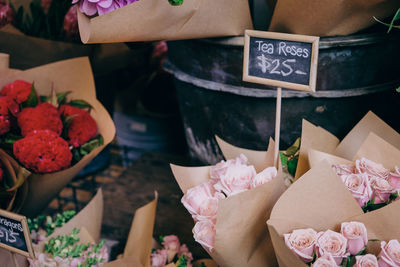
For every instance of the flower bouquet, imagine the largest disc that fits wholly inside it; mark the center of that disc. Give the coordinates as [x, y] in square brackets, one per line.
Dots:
[230, 196]
[53, 160]
[66, 239]
[149, 20]
[332, 17]
[335, 190]
[142, 250]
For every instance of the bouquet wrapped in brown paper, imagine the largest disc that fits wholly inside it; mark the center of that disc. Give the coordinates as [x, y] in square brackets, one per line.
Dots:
[158, 20]
[85, 226]
[240, 218]
[140, 242]
[321, 200]
[75, 76]
[329, 17]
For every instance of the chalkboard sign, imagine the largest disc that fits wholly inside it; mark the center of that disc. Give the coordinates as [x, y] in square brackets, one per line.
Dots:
[14, 234]
[282, 60]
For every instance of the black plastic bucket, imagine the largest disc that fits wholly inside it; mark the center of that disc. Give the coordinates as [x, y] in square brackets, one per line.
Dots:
[356, 73]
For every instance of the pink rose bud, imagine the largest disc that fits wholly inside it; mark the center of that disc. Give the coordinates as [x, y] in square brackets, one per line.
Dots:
[371, 168]
[390, 254]
[202, 201]
[183, 250]
[158, 258]
[204, 233]
[368, 260]
[265, 176]
[302, 242]
[71, 23]
[381, 190]
[220, 168]
[237, 179]
[333, 243]
[356, 235]
[359, 187]
[394, 180]
[325, 261]
[171, 242]
[344, 169]
[7, 15]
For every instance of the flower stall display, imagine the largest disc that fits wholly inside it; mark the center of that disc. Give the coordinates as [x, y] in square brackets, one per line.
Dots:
[142, 250]
[53, 135]
[345, 248]
[332, 17]
[149, 20]
[230, 204]
[336, 190]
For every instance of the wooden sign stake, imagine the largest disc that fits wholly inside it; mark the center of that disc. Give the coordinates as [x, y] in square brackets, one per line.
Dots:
[277, 125]
[15, 259]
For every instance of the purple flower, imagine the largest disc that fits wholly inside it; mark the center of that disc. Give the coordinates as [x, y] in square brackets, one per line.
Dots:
[101, 7]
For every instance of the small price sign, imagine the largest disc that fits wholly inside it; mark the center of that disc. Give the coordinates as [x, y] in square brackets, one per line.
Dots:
[14, 234]
[281, 60]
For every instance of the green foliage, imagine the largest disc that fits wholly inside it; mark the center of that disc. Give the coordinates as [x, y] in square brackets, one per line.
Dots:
[182, 261]
[32, 100]
[40, 24]
[175, 2]
[85, 149]
[80, 104]
[290, 157]
[391, 25]
[47, 222]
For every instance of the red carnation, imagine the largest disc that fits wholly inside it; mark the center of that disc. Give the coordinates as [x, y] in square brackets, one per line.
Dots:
[82, 127]
[43, 151]
[44, 116]
[18, 90]
[7, 105]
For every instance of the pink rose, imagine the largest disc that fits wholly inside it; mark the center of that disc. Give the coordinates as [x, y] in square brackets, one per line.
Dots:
[333, 243]
[265, 176]
[325, 261]
[371, 168]
[204, 233]
[390, 254]
[171, 242]
[344, 169]
[394, 179]
[368, 260]
[237, 179]
[302, 242]
[381, 190]
[356, 235]
[220, 168]
[202, 201]
[359, 187]
[183, 250]
[159, 258]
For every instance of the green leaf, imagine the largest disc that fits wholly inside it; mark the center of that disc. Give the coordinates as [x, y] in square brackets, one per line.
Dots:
[175, 2]
[8, 140]
[44, 99]
[32, 100]
[398, 90]
[284, 159]
[92, 144]
[391, 26]
[62, 97]
[294, 148]
[80, 104]
[373, 240]
[182, 261]
[22, 175]
[292, 166]
[53, 99]
[396, 17]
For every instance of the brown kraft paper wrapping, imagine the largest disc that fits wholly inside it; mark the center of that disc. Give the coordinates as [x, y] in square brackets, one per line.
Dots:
[140, 240]
[73, 75]
[152, 20]
[329, 17]
[318, 139]
[247, 211]
[320, 200]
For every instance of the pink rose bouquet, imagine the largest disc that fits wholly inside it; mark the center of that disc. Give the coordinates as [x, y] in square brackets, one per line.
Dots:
[227, 178]
[172, 252]
[371, 184]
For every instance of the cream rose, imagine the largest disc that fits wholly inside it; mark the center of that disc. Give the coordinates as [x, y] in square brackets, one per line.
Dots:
[332, 243]
[325, 261]
[368, 260]
[263, 177]
[390, 254]
[356, 235]
[359, 186]
[302, 243]
[204, 233]
[372, 169]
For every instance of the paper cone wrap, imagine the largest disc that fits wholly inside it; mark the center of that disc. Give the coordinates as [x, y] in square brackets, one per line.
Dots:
[320, 200]
[73, 75]
[152, 20]
[328, 17]
[315, 141]
[240, 218]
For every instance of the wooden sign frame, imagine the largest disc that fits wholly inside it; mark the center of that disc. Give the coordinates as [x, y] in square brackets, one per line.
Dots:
[21, 219]
[284, 37]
